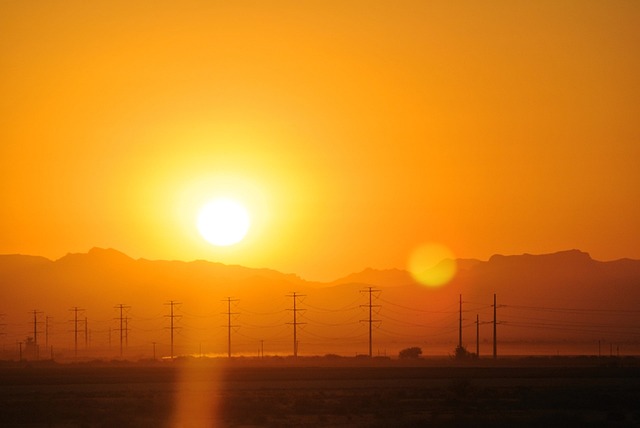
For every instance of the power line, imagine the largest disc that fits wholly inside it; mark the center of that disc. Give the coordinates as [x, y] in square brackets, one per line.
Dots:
[417, 309]
[348, 307]
[575, 310]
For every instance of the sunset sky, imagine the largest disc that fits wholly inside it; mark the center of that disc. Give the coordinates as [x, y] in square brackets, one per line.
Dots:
[352, 131]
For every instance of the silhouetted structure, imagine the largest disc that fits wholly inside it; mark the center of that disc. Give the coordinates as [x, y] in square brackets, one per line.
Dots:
[295, 322]
[229, 313]
[171, 317]
[124, 327]
[370, 290]
[495, 338]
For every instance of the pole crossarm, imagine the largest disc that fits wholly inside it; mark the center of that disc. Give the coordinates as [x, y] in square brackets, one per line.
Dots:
[172, 317]
[370, 321]
[294, 295]
[124, 325]
[75, 330]
[229, 325]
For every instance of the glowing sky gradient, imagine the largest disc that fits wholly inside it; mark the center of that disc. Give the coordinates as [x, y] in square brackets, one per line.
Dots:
[353, 131]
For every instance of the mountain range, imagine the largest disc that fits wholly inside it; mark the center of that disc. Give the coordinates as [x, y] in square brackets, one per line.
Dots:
[564, 296]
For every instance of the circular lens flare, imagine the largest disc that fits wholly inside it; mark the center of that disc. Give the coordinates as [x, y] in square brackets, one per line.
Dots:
[432, 265]
[223, 222]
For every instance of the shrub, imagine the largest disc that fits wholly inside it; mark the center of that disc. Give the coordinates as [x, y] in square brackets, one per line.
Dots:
[413, 352]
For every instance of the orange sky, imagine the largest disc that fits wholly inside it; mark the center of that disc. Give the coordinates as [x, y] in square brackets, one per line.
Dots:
[353, 131]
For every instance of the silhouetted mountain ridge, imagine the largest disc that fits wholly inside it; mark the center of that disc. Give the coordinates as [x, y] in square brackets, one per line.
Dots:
[378, 277]
[101, 279]
[573, 263]
[571, 258]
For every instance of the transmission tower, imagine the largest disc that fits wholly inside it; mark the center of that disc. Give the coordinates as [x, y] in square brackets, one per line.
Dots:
[124, 328]
[75, 330]
[86, 332]
[370, 290]
[229, 313]
[2, 325]
[35, 332]
[460, 326]
[495, 322]
[172, 317]
[46, 330]
[126, 331]
[477, 336]
[295, 322]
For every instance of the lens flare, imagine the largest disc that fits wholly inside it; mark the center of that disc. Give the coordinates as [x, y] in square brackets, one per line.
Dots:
[197, 395]
[432, 264]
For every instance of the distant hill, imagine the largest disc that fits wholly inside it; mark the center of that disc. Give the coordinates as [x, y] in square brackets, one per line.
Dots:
[377, 277]
[550, 297]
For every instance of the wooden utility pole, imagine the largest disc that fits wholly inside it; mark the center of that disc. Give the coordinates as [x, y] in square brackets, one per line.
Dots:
[477, 335]
[171, 317]
[46, 331]
[75, 311]
[370, 321]
[35, 333]
[295, 322]
[460, 325]
[123, 325]
[495, 322]
[229, 326]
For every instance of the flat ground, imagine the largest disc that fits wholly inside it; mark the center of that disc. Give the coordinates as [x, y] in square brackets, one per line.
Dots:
[524, 393]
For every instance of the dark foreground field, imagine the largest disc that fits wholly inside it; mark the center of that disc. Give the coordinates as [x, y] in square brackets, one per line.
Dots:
[387, 395]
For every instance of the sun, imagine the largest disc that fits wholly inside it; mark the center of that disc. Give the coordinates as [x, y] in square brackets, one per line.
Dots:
[223, 222]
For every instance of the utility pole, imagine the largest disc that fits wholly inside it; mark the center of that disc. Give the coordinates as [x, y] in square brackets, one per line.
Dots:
[229, 313]
[2, 326]
[35, 332]
[126, 331]
[172, 317]
[46, 330]
[460, 326]
[123, 324]
[495, 322]
[86, 332]
[75, 311]
[370, 290]
[295, 322]
[477, 336]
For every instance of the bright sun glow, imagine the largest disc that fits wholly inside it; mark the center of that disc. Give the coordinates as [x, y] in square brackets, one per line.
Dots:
[223, 222]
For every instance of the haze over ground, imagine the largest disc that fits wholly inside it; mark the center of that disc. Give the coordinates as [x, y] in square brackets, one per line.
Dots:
[564, 302]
